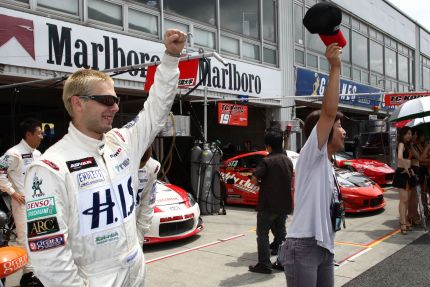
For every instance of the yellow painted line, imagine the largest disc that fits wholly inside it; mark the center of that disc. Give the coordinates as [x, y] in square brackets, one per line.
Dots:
[383, 238]
[253, 230]
[351, 244]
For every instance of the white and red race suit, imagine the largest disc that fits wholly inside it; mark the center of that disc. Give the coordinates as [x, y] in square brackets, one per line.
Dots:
[81, 198]
[147, 177]
[13, 166]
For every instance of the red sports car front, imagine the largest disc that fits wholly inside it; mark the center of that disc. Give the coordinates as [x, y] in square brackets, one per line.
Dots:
[359, 193]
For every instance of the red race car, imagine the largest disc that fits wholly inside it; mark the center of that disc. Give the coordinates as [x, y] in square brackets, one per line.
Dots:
[378, 171]
[360, 193]
[236, 175]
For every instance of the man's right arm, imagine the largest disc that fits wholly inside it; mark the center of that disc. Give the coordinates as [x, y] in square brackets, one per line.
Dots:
[51, 254]
[331, 95]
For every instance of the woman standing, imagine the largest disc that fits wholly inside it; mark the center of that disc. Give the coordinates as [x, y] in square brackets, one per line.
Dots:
[403, 175]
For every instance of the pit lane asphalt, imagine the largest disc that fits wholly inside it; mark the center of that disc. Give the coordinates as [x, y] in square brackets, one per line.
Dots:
[221, 253]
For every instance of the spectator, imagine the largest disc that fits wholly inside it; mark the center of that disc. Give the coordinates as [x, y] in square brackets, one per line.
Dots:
[13, 166]
[91, 176]
[403, 175]
[308, 252]
[273, 174]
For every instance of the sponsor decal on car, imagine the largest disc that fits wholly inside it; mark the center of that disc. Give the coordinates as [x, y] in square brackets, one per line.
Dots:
[42, 227]
[244, 184]
[105, 238]
[41, 207]
[79, 164]
[37, 191]
[46, 243]
[51, 164]
[90, 177]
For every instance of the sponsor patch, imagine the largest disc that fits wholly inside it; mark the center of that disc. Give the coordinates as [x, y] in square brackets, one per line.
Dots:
[50, 164]
[37, 191]
[79, 164]
[152, 195]
[131, 123]
[104, 207]
[46, 243]
[26, 155]
[106, 238]
[118, 151]
[90, 177]
[42, 227]
[4, 162]
[130, 258]
[41, 207]
[122, 166]
[119, 135]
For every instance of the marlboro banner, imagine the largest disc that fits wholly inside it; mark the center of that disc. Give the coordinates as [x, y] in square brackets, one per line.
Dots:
[187, 74]
[232, 114]
[399, 98]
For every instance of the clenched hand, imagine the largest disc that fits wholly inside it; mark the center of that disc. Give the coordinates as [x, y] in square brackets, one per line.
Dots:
[174, 40]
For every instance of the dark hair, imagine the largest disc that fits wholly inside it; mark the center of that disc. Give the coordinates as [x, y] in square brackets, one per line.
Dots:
[419, 133]
[28, 125]
[312, 119]
[274, 137]
[403, 131]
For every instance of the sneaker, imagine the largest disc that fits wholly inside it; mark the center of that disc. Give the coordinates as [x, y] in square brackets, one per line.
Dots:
[30, 280]
[260, 268]
[277, 266]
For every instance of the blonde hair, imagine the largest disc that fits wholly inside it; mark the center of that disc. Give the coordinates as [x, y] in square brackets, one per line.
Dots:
[79, 84]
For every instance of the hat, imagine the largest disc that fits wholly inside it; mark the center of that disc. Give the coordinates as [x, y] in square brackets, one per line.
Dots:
[324, 19]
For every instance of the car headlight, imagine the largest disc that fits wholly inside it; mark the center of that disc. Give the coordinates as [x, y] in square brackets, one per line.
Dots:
[191, 199]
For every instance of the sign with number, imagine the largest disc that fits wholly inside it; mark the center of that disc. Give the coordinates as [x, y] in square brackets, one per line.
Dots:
[232, 114]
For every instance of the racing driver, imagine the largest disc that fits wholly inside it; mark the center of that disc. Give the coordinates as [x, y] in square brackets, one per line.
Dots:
[84, 188]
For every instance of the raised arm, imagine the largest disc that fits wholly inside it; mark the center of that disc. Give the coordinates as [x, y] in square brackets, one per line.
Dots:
[331, 95]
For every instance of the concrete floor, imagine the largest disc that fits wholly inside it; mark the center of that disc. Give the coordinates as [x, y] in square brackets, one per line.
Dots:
[221, 253]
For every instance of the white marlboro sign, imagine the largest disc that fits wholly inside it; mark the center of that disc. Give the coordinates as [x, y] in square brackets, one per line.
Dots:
[38, 42]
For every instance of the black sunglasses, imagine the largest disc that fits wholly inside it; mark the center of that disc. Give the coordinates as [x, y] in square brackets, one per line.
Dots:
[107, 100]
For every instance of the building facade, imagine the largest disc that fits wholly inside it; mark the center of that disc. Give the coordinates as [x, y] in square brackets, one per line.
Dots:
[272, 59]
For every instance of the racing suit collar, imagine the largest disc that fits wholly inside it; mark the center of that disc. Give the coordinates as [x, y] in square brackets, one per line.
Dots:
[85, 141]
[27, 146]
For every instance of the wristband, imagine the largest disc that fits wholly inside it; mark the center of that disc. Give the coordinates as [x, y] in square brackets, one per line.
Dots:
[172, 55]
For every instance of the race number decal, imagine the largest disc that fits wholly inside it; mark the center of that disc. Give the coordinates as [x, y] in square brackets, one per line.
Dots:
[106, 206]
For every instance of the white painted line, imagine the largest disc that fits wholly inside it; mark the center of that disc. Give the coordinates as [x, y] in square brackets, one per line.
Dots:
[354, 256]
[194, 248]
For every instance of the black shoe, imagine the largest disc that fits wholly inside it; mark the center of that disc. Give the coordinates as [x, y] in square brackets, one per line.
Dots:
[30, 280]
[260, 268]
[277, 266]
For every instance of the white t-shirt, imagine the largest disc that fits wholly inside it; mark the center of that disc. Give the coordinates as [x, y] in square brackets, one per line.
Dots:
[314, 185]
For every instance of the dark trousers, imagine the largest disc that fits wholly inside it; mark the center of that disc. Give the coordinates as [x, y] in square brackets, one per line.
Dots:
[265, 221]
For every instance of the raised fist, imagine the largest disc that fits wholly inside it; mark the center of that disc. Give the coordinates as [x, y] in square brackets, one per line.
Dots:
[174, 40]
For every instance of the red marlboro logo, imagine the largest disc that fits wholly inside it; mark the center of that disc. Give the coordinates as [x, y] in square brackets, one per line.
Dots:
[21, 29]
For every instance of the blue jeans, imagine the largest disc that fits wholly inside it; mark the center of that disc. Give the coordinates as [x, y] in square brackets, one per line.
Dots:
[307, 264]
[265, 221]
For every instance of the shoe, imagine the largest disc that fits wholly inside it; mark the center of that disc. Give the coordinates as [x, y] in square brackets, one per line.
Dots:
[260, 268]
[277, 266]
[404, 229]
[30, 280]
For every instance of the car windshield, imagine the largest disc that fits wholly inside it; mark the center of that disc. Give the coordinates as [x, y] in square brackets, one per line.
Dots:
[355, 178]
[343, 156]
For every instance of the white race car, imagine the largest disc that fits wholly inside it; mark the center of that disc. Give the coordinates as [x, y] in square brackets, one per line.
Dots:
[176, 215]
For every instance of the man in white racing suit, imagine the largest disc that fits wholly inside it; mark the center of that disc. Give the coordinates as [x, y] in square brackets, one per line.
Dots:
[147, 176]
[13, 166]
[86, 184]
